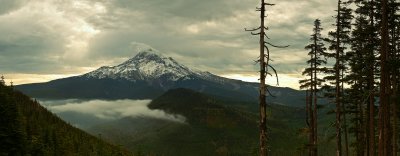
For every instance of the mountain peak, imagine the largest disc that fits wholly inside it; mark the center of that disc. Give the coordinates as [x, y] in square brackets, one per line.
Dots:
[148, 55]
[147, 64]
[148, 52]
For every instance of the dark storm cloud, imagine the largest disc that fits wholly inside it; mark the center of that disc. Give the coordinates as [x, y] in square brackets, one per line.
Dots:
[51, 36]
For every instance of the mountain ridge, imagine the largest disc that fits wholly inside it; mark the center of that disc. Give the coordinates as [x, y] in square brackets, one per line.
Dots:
[146, 76]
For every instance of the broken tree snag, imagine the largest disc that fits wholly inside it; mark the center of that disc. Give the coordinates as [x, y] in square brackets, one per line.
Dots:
[264, 60]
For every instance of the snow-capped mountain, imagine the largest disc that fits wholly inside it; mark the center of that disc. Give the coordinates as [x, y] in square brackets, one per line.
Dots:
[150, 65]
[146, 76]
[146, 65]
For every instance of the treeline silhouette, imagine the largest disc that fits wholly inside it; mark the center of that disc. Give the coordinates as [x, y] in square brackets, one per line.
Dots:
[27, 128]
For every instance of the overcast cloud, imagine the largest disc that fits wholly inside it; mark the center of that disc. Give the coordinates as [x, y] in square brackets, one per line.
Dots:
[43, 38]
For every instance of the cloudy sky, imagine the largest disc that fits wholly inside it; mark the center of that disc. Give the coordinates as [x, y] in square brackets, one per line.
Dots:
[41, 40]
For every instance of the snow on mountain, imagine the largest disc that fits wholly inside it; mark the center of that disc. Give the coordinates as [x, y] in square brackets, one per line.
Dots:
[148, 64]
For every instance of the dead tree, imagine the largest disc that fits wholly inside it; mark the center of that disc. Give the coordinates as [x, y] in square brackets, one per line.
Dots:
[264, 66]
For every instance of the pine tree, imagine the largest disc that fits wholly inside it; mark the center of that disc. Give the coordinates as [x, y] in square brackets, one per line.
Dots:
[384, 110]
[339, 41]
[393, 63]
[312, 84]
[365, 45]
[356, 79]
[362, 76]
[12, 140]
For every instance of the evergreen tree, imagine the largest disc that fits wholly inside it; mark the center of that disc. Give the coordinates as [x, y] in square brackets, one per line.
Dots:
[339, 41]
[384, 87]
[364, 71]
[11, 135]
[358, 90]
[313, 83]
[29, 129]
[394, 66]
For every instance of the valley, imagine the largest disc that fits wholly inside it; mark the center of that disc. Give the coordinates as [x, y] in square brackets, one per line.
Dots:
[188, 112]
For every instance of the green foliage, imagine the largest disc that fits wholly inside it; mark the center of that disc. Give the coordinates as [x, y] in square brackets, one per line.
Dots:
[11, 135]
[213, 127]
[318, 58]
[29, 129]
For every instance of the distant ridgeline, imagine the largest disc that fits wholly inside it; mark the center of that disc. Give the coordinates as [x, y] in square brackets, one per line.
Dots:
[26, 128]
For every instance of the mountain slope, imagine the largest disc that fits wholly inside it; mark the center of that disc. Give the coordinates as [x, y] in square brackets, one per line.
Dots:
[29, 129]
[148, 75]
[146, 65]
[212, 127]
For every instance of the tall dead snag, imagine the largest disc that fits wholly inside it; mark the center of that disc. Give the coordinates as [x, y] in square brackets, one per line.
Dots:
[264, 66]
[384, 147]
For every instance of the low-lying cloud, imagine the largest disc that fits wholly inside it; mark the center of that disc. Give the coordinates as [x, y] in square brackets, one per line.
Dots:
[102, 110]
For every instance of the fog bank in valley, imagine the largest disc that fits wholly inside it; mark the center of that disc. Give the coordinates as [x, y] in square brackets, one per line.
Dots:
[85, 114]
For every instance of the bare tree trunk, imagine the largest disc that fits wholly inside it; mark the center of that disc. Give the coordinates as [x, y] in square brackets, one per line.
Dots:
[338, 94]
[394, 83]
[312, 96]
[346, 139]
[396, 94]
[264, 64]
[308, 121]
[384, 119]
[371, 117]
[315, 117]
[362, 131]
[394, 109]
[312, 119]
[371, 88]
[263, 88]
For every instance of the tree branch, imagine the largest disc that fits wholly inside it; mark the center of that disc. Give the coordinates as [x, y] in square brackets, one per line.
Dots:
[254, 29]
[276, 74]
[276, 45]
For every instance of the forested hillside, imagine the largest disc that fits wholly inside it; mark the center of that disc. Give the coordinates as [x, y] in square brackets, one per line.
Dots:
[212, 127]
[29, 129]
